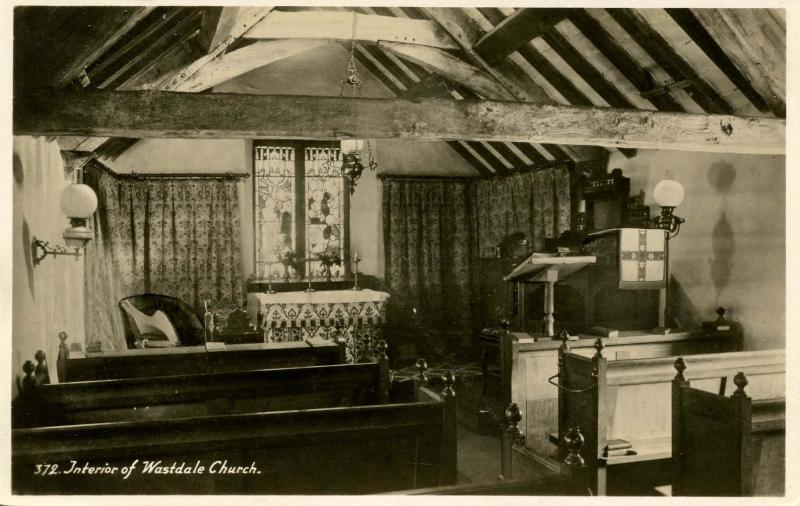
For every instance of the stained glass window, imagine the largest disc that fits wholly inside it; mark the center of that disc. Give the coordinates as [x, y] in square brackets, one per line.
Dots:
[324, 212]
[276, 230]
[294, 241]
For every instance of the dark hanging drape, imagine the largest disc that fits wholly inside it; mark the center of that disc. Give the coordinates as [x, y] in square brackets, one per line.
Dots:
[534, 203]
[434, 233]
[173, 237]
[428, 240]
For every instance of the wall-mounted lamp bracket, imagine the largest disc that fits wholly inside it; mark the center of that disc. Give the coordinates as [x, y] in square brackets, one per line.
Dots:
[40, 249]
[668, 221]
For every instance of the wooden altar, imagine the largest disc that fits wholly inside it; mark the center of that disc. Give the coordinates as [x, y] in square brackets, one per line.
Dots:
[357, 316]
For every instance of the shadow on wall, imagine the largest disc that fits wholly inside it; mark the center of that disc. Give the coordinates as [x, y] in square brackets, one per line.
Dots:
[19, 178]
[723, 247]
[681, 309]
[721, 177]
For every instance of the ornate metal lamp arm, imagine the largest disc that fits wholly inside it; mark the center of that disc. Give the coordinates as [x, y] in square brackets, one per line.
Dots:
[40, 249]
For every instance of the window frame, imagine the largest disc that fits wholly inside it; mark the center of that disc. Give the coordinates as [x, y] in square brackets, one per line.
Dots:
[300, 205]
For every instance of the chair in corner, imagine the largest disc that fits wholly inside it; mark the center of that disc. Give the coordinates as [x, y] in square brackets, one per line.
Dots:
[187, 325]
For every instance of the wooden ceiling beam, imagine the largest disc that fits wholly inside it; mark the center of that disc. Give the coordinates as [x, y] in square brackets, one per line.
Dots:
[669, 60]
[588, 73]
[460, 29]
[531, 152]
[689, 23]
[236, 63]
[506, 152]
[205, 115]
[137, 44]
[387, 76]
[227, 22]
[755, 41]
[449, 66]
[498, 166]
[187, 27]
[515, 31]
[479, 167]
[344, 25]
[116, 26]
[556, 152]
[637, 75]
[466, 33]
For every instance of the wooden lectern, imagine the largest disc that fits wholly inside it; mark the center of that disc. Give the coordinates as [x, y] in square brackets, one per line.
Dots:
[543, 268]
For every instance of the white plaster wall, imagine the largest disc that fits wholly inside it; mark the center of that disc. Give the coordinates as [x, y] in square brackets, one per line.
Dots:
[47, 298]
[731, 250]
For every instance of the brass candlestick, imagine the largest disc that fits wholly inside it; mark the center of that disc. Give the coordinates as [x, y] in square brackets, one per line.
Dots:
[355, 261]
[308, 275]
[269, 279]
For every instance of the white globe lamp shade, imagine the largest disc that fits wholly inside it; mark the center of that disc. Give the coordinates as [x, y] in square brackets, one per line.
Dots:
[78, 201]
[668, 193]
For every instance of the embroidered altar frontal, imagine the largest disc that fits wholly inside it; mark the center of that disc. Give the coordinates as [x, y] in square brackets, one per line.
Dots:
[355, 315]
[641, 258]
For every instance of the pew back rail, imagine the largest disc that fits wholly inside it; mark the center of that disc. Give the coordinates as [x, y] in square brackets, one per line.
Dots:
[622, 408]
[293, 432]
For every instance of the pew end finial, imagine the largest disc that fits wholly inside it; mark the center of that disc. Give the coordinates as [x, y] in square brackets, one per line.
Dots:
[598, 345]
[740, 380]
[680, 366]
[510, 435]
[573, 443]
[422, 366]
[449, 381]
[28, 381]
[41, 372]
[380, 350]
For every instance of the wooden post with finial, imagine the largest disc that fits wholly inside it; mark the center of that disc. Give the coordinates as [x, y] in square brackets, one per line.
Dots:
[41, 373]
[510, 434]
[422, 366]
[422, 379]
[573, 464]
[448, 472]
[63, 356]
[562, 399]
[678, 384]
[743, 413]
[384, 375]
[25, 408]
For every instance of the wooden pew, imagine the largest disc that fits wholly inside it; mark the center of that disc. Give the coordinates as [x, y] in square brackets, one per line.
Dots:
[311, 430]
[622, 409]
[512, 481]
[138, 363]
[727, 446]
[516, 369]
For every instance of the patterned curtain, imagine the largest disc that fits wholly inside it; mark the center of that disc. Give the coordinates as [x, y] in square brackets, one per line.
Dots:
[535, 203]
[429, 263]
[172, 237]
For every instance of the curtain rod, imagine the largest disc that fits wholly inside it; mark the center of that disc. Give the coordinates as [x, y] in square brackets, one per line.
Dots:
[165, 175]
[187, 175]
[427, 178]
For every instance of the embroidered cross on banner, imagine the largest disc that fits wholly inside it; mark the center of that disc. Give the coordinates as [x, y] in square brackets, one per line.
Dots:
[641, 259]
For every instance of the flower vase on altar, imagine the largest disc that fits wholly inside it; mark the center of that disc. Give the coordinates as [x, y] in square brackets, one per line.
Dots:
[329, 258]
